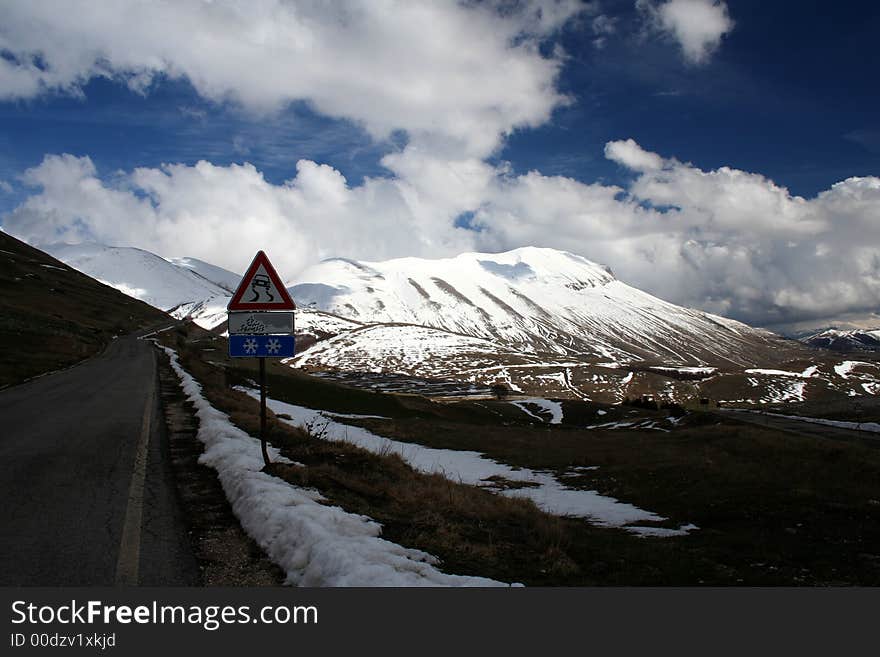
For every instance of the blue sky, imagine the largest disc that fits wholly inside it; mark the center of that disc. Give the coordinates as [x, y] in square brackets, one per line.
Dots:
[120, 129]
[783, 93]
[788, 95]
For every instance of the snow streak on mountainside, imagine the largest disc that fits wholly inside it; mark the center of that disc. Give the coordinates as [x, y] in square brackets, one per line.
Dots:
[419, 350]
[223, 277]
[535, 300]
[184, 287]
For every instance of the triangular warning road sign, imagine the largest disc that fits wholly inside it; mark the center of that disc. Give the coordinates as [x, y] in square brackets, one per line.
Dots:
[261, 289]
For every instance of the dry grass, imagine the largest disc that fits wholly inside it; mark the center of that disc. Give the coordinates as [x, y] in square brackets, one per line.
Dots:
[472, 530]
[773, 509]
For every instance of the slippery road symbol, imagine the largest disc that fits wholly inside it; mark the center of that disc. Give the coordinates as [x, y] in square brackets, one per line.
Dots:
[261, 289]
[261, 281]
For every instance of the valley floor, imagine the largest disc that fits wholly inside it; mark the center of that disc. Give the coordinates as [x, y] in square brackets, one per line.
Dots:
[730, 503]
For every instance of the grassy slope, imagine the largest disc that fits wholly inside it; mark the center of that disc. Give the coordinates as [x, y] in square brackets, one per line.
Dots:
[54, 316]
[863, 408]
[772, 508]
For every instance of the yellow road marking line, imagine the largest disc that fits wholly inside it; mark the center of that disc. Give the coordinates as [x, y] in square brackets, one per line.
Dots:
[128, 564]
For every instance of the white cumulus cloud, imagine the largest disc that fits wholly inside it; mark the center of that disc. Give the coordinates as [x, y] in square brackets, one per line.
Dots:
[224, 214]
[696, 25]
[629, 154]
[725, 240]
[468, 73]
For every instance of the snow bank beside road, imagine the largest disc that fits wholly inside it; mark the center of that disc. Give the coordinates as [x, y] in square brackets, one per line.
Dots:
[316, 545]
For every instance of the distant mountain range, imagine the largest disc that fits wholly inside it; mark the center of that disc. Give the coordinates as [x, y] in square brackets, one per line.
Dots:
[853, 340]
[538, 321]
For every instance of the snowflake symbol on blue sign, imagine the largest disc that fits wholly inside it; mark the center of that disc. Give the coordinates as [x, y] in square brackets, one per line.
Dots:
[273, 345]
[250, 346]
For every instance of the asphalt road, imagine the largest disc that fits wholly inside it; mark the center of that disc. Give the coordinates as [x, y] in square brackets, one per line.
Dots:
[86, 492]
[803, 428]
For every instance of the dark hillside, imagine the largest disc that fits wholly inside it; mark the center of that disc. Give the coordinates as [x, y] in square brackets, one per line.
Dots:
[52, 316]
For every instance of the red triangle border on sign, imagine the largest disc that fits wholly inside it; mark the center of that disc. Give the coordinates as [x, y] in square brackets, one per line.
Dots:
[237, 304]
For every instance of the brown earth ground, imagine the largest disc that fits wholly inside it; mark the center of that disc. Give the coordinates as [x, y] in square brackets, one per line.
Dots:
[772, 508]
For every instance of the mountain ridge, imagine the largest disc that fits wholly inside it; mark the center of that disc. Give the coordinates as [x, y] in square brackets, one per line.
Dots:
[537, 299]
[845, 340]
[535, 321]
[186, 288]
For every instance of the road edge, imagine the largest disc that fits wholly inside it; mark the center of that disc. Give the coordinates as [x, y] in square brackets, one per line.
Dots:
[225, 554]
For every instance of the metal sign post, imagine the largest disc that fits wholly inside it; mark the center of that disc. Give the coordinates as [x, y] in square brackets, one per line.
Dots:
[261, 325]
[263, 444]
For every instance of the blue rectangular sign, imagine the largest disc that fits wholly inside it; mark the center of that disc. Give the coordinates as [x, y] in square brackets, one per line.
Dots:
[261, 346]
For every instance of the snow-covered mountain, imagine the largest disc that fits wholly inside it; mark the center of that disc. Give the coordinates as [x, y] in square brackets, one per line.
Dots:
[183, 287]
[534, 300]
[186, 288]
[538, 321]
[531, 300]
[853, 340]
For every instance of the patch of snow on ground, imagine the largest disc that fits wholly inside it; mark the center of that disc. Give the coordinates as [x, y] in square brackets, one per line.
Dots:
[504, 378]
[355, 416]
[799, 375]
[662, 531]
[525, 410]
[473, 468]
[634, 424]
[612, 425]
[846, 367]
[551, 407]
[557, 377]
[316, 545]
[687, 370]
[791, 393]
